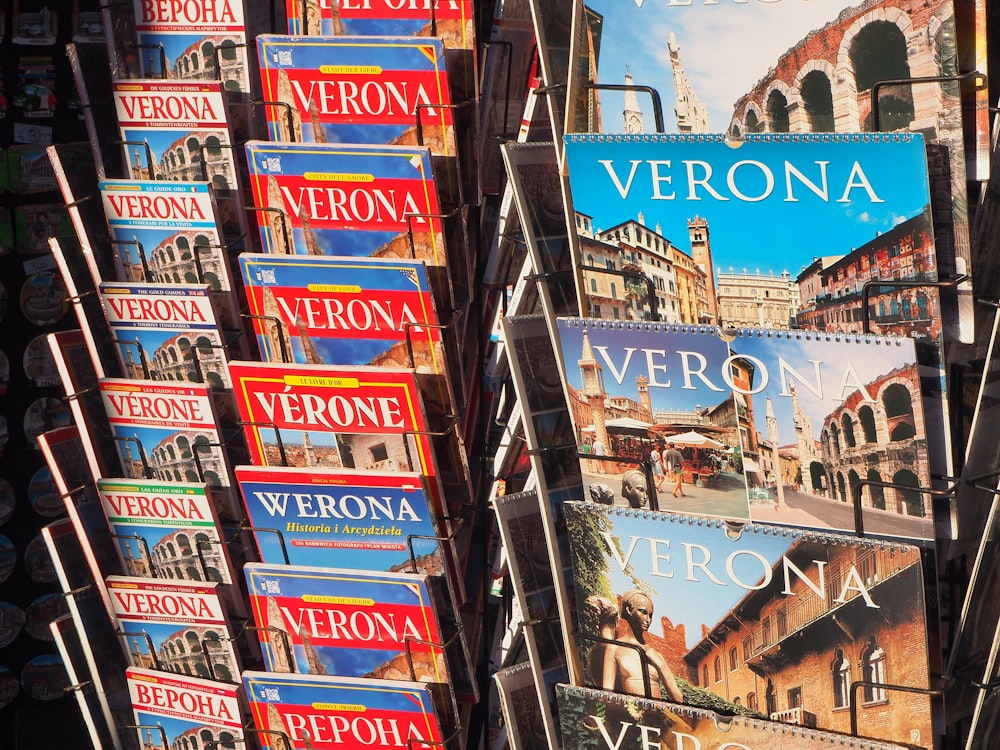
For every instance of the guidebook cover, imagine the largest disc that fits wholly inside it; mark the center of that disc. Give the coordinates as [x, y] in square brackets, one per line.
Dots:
[351, 200]
[344, 417]
[601, 720]
[174, 626]
[753, 620]
[167, 432]
[783, 67]
[771, 426]
[193, 41]
[361, 520]
[165, 530]
[347, 623]
[168, 232]
[674, 209]
[166, 332]
[182, 711]
[376, 311]
[175, 130]
[300, 712]
[368, 89]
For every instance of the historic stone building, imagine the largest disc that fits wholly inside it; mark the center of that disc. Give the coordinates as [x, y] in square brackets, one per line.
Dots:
[757, 300]
[199, 155]
[172, 459]
[172, 261]
[690, 110]
[212, 58]
[192, 359]
[794, 657]
[176, 556]
[880, 439]
[824, 83]
[184, 652]
[831, 288]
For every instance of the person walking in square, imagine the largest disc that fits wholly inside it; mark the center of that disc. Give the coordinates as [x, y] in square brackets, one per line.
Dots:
[673, 459]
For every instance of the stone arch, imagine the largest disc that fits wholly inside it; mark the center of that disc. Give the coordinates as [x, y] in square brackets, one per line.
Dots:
[815, 83]
[897, 401]
[778, 101]
[754, 120]
[841, 487]
[866, 416]
[876, 491]
[908, 500]
[818, 476]
[847, 424]
[874, 48]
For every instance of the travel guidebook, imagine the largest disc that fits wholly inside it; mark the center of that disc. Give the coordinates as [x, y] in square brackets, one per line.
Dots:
[378, 312]
[602, 720]
[367, 418]
[182, 711]
[168, 432]
[175, 130]
[354, 200]
[673, 210]
[174, 626]
[166, 332]
[354, 624]
[169, 232]
[166, 530]
[193, 41]
[809, 69]
[361, 520]
[300, 712]
[769, 426]
[763, 622]
[358, 89]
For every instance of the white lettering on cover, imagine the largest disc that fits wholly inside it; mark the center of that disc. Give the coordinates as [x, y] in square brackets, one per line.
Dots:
[652, 176]
[346, 97]
[357, 205]
[337, 411]
[350, 731]
[358, 625]
[355, 315]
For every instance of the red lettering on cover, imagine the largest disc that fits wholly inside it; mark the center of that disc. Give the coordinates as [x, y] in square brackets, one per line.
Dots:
[163, 207]
[169, 605]
[156, 506]
[159, 309]
[186, 12]
[182, 700]
[336, 412]
[356, 205]
[172, 107]
[157, 407]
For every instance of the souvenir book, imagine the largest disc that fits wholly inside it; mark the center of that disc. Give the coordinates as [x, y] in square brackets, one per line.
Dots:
[353, 417]
[347, 311]
[355, 623]
[175, 131]
[204, 41]
[71, 355]
[169, 232]
[166, 530]
[358, 89]
[182, 711]
[813, 70]
[602, 720]
[360, 520]
[64, 455]
[174, 626]
[770, 426]
[357, 201]
[169, 433]
[679, 231]
[742, 619]
[298, 712]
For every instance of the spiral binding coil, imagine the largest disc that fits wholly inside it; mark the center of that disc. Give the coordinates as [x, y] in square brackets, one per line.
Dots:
[686, 138]
[724, 524]
[690, 712]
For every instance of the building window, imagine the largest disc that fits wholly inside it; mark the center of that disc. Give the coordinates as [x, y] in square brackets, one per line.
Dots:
[734, 659]
[704, 676]
[873, 666]
[717, 668]
[795, 697]
[782, 622]
[747, 648]
[752, 701]
[841, 673]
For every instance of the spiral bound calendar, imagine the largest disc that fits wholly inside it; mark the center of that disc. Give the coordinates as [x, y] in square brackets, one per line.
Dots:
[754, 620]
[763, 425]
[771, 231]
[607, 720]
[786, 68]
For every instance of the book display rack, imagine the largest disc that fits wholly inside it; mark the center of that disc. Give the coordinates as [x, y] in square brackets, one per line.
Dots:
[498, 373]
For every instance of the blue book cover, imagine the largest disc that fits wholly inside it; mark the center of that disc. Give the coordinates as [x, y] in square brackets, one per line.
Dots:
[310, 711]
[725, 232]
[367, 89]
